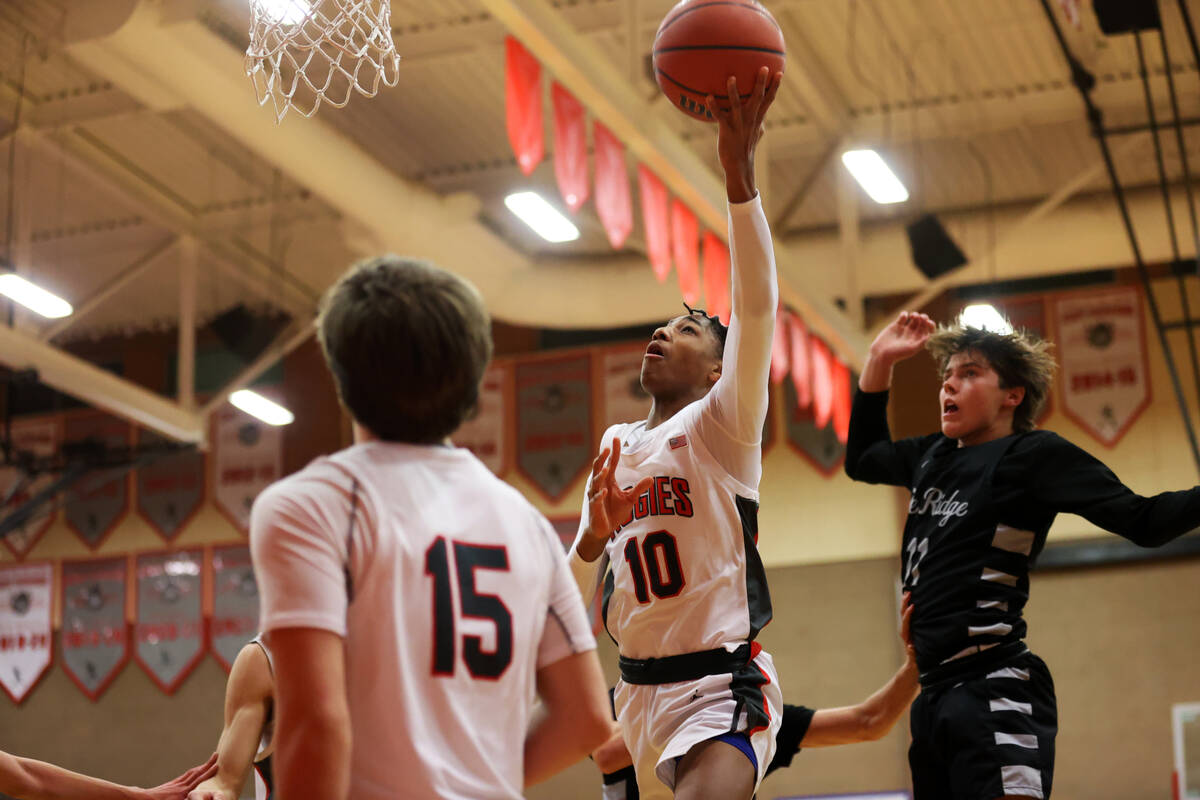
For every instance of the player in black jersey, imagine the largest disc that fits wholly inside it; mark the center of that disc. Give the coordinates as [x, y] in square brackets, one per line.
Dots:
[984, 493]
[867, 721]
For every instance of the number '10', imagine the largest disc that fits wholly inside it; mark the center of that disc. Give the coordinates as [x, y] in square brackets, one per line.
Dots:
[645, 562]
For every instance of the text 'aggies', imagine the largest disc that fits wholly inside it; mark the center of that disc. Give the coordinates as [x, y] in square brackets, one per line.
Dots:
[666, 497]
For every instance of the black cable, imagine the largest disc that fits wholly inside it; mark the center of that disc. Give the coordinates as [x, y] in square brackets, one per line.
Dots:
[10, 211]
[1165, 189]
[1191, 31]
[1084, 81]
[1179, 142]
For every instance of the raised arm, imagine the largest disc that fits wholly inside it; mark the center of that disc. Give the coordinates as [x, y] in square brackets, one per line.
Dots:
[1067, 478]
[738, 402]
[606, 505]
[871, 455]
[248, 698]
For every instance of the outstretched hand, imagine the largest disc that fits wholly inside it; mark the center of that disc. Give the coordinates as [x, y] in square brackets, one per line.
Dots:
[179, 788]
[608, 504]
[739, 129]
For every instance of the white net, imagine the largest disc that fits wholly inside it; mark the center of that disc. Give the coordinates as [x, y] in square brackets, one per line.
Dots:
[305, 52]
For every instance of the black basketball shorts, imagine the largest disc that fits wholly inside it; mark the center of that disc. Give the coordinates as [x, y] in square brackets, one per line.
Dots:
[986, 736]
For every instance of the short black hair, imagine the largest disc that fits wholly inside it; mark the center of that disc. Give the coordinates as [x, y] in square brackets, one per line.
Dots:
[407, 343]
[719, 329]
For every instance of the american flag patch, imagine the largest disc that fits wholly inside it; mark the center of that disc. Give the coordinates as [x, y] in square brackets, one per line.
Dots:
[677, 442]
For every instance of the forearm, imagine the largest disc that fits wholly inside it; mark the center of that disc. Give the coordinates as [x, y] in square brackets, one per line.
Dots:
[883, 708]
[235, 752]
[28, 779]
[555, 742]
[312, 757]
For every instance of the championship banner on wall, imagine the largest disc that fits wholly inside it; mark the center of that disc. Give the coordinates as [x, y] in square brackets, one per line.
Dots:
[235, 603]
[554, 422]
[39, 438]
[96, 502]
[95, 642]
[483, 434]
[624, 398]
[24, 627]
[247, 458]
[1102, 360]
[819, 446]
[169, 632]
[170, 489]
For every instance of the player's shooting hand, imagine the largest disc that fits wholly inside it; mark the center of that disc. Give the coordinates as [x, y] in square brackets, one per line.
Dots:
[904, 338]
[906, 612]
[179, 788]
[739, 128]
[608, 504]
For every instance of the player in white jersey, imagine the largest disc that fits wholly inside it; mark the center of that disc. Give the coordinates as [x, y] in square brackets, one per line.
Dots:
[415, 604]
[698, 701]
[248, 733]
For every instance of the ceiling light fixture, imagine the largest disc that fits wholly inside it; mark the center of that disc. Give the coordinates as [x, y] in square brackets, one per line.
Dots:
[545, 220]
[261, 408]
[986, 317]
[34, 297]
[285, 12]
[875, 176]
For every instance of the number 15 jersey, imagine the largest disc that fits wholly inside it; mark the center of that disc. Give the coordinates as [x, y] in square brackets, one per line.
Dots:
[450, 591]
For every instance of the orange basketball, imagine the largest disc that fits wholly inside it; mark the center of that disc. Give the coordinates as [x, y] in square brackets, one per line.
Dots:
[700, 43]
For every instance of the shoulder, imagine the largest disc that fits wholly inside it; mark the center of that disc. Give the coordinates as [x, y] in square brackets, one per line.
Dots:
[324, 479]
[250, 679]
[1039, 443]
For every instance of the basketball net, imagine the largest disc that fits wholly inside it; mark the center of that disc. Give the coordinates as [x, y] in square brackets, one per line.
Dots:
[305, 52]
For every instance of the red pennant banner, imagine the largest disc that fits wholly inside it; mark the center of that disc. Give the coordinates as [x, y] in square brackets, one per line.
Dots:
[613, 202]
[656, 218]
[554, 422]
[802, 368]
[716, 277]
[570, 147]
[235, 603]
[822, 382]
[39, 438]
[25, 599]
[780, 343]
[843, 396]
[484, 433]
[523, 105]
[170, 618]
[685, 245]
[95, 644]
[97, 501]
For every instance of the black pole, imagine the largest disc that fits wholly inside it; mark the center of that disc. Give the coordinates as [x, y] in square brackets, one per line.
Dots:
[1166, 198]
[1179, 143]
[1084, 82]
[1121, 130]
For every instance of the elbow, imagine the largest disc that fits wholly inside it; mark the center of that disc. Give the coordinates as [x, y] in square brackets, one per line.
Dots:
[612, 755]
[872, 726]
[595, 731]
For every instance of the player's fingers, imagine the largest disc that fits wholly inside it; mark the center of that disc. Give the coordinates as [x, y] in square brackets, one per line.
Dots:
[710, 103]
[598, 462]
[642, 487]
[735, 102]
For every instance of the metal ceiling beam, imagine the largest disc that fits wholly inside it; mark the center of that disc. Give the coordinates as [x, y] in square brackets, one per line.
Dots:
[98, 387]
[583, 68]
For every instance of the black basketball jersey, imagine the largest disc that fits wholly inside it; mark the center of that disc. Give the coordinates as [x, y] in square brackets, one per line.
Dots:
[978, 517]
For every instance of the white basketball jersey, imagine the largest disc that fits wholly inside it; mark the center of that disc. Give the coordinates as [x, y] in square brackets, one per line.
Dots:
[450, 590]
[686, 575]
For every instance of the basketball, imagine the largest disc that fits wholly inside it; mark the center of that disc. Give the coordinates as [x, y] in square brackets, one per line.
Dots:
[700, 43]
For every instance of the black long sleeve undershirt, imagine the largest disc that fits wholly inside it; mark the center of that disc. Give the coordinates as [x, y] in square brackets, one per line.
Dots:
[1041, 475]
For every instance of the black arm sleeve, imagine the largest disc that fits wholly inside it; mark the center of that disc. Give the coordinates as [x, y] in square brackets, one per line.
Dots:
[792, 731]
[871, 455]
[1067, 478]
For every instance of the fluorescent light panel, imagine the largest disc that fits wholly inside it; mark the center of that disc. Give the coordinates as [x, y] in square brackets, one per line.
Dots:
[875, 176]
[985, 316]
[34, 297]
[546, 220]
[261, 408]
